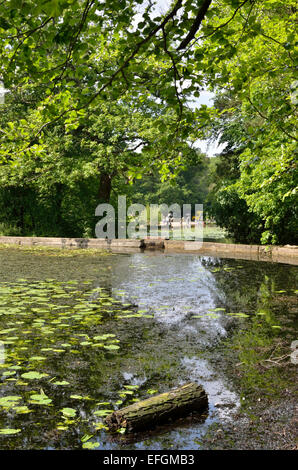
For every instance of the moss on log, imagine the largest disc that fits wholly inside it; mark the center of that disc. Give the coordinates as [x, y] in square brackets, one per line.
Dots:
[160, 408]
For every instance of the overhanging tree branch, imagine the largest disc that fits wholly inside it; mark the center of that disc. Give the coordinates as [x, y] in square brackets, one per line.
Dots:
[196, 24]
[205, 36]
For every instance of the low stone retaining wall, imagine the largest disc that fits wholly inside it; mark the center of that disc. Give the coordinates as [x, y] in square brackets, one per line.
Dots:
[286, 254]
[73, 242]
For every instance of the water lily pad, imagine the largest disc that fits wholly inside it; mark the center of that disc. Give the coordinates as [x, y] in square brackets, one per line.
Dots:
[37, 358]
[68, 412]
[22, 409]
[40, 399]
[8, 373]
[33, 375]
[76, 397]
[103, 412]
[111, 347]
[7, 431]
[90, 445]
[9, 401]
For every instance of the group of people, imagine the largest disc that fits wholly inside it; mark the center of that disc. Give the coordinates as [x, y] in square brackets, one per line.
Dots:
[169, 219]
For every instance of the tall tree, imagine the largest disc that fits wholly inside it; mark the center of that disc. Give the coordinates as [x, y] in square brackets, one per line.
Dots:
[256, 93]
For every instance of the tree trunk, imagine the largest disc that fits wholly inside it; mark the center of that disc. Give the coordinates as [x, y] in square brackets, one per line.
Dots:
[105, 186]
[160, 408]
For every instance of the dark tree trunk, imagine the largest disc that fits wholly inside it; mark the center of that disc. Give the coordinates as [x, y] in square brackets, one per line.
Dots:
[59, 229]
[160, 408]
[105, 187]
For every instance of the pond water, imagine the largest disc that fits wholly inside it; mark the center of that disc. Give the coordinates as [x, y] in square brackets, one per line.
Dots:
[86, 333]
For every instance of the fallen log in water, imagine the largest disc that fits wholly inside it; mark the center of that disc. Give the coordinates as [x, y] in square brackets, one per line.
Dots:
[145, 414]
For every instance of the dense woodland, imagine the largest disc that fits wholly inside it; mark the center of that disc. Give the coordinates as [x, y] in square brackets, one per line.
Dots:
[101, 103]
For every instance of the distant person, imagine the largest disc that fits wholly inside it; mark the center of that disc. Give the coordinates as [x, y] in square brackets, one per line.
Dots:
[170, 219]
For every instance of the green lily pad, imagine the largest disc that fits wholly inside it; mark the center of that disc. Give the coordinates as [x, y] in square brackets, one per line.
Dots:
[111, 347]
[37, 358]
[40, 399]
[9, 401]
[68, 412]
[7, 431]
[22, 409]
[8, 373]
[33, 375]
[103, 412]
[90, 445]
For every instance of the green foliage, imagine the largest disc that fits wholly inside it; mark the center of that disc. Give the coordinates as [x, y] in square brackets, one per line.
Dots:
[56, 192]
[99, 98]
[254, 195]
[231, 212]
[269, 187]
[190, 186]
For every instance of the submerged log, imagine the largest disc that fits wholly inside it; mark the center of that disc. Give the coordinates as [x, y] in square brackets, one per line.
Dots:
[158, 409]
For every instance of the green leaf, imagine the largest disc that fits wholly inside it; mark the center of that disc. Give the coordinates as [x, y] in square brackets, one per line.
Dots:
[40, 399]
[7, 431]
[33, 375]
[111, 347]
[62, 382]
[90, 445]
[103, 412]
[69, 412]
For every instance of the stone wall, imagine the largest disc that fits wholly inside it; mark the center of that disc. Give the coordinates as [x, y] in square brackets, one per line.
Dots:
[284, 254]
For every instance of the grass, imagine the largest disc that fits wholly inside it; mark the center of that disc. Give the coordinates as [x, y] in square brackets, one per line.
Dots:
[209, 232]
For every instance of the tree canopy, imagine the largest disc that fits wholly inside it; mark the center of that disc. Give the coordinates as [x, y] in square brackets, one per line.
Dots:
[76, 69]
[78, 52]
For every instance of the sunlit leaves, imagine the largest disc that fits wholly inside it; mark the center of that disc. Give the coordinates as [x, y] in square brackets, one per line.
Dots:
[111, 347]
[257, 122]
[103, 412]
[9, 401]
[33, 375]
[69, 412]
[90, 445]
[40, 399]
[8, 431]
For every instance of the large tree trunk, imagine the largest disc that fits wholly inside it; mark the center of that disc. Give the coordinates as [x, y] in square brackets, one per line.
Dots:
[105, 187]
[160, 408]
[58, 211]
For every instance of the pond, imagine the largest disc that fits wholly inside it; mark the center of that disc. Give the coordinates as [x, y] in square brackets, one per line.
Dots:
[84, 333]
